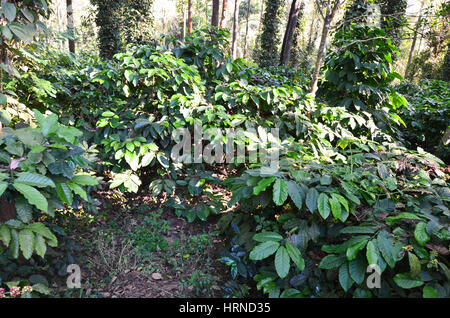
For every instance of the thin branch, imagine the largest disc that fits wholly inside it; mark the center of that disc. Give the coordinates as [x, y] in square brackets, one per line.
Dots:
[319, 8]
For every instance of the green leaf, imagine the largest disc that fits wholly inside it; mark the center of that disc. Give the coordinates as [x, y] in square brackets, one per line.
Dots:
[10, 11]
[24, 210]
[84, 179]
[61, 167]
[404, 280]
[414, 264]
[391, 220]
[35, 180]
[33, 196]
[5, 235]
[41, 288]
[357, 269]
[40, 246]
[282, 262]
[335, 207]
[162, 160]
[24, 32]
[326, 180]
[262, 185]
[291, 293]
[311, 199]
[323, 205]
[147, 158]
[263, 250]
[295, 192]
[420, 233]
[382, 170]
[14, 244]
[295, 255]
[64, 193]
[280, 192]
[40, 228]
[353, 250]
[267, 236]
[341, 200]
[26, 242]
[372, 253]
[430, 292]
[386, 248]
[132, 159]
[78, 190]
[3, 187]
[344, 277]
[332, 261]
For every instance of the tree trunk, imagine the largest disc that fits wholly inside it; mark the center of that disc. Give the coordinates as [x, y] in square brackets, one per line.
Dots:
[329, 16]
[189, 16]
[413, 44]
[261, 15]
[206, 12]
[311, 29]
[235, 25]
[70, 25]
[215, 13]
[246, 29]
[224, 13]
[289, 34]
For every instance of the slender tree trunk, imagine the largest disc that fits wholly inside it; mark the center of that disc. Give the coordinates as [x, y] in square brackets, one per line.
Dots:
[413, 44]
[246, 29]
[329, 16]
[184, 21]
[70, 25]
[261, 16]
[215, 13]
[311, 28]
[206, 13]
[189, 16]
[235, 26]
[224, 13]
[289, 34]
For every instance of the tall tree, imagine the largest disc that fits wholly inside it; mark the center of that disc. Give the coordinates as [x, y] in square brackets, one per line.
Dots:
[261, 17]
[330, 7]
[189, 16]
[413, 44]
[290, 30]
[247, 27]
[70, 26]
[108, 21]
[235, 30]
[215, 13]
[224, 13]
[298, 48]
[269, 39]
[393, 18]
[356, 12]
[136, 21]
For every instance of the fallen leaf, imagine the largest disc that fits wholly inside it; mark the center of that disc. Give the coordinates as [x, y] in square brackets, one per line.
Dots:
[156, 276]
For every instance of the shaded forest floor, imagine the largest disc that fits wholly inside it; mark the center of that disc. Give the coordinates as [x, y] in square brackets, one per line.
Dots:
[137, 248]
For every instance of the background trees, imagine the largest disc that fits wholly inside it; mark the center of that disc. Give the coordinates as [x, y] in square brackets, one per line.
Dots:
[264, 32]
[269, 40]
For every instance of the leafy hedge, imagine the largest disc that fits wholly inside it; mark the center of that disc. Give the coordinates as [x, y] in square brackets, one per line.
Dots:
[428, 116]
[346, 195]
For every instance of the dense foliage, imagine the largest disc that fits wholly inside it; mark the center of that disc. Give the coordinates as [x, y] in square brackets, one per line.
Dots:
[352, 191]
